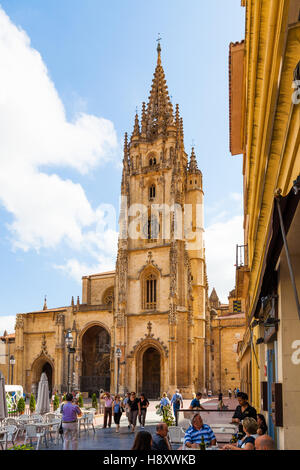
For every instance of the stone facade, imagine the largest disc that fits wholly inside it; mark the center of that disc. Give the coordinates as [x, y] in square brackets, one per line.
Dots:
[153, 306]
[227, 327]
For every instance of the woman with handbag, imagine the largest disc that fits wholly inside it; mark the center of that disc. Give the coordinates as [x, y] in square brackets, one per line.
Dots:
[117, 411]
[70, 413]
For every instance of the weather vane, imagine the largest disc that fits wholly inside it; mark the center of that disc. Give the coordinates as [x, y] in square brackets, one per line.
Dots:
[159, 38]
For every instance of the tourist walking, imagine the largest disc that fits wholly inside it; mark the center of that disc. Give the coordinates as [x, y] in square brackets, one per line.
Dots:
[176, 402]
[117, 411]
[164, 401]
[142, 441]
[107, 409]
[195, 403]
[70, 413]
[220, 401]
[144, 403]
[127, 409]
[134, 409]
[229, 393]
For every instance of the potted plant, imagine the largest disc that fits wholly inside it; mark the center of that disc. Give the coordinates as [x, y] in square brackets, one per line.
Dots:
[55, 402]
[80, 401]
[94, 402]
[32, 403]
[21, 405]
[168, 418]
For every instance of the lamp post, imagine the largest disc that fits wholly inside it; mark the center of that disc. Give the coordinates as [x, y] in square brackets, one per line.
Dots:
[12, 362]
[69, 342]
[118, 356]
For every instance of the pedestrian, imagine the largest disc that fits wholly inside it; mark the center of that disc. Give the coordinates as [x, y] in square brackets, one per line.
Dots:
[248, 442]
[107, 409]
[220, 401]
[160, 439]
[176, 401]
[243, 410]
[134, 410]
[164, 401]
[117, 410]
[234, 392]
[142, 441]
[262, 425]
[144, 403]
[229, 393]
[127, 409]
[70, 413]
[195, 403]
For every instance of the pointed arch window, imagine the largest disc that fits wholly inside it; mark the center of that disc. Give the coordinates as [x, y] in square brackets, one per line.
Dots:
[152, 161]
[149, 291]
[152, 192]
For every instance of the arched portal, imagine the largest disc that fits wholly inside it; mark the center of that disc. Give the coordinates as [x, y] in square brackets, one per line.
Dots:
[151, 373]
[95, 360]
[40, 365]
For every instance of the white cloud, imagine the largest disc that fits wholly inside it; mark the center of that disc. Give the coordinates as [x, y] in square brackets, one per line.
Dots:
[221, 239]
[7, 322]
[34, 133]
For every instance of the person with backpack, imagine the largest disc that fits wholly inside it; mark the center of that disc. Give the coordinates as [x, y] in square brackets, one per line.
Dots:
[176, 402]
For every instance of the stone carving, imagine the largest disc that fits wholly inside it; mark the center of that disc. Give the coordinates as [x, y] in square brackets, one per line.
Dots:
[19, 321]
[172, 315]
[44, 346]
[173, 269]
[60, 319]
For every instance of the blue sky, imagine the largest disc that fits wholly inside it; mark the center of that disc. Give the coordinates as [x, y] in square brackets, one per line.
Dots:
[100, 57]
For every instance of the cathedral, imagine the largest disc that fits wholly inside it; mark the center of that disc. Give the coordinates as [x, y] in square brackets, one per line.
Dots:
[151, 310]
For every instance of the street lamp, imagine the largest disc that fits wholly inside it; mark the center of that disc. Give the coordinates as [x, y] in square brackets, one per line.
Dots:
[12, 362]
[69, 342]
[118, 356]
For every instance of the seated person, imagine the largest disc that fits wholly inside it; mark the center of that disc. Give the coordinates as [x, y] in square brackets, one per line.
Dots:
[250, 427]
[243, 410]
[193, 436]
[264, 442]
[195, 403]
[160, 440]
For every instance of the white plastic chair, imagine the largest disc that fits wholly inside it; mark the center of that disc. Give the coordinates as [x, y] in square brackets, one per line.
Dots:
[89, 420]
[176, 435]
[3, 440]
[12, 432]
[31, 432]
[49, 417]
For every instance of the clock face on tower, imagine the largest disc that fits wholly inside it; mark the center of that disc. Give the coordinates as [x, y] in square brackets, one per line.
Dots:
[151, 228]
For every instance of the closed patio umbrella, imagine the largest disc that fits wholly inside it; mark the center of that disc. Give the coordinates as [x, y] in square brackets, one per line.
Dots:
[3, 404]
[43, 402]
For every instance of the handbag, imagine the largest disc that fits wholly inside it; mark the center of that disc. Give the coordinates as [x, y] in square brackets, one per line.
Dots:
[61, 429]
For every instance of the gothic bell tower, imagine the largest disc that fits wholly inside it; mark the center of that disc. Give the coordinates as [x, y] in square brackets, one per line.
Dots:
[160, 285]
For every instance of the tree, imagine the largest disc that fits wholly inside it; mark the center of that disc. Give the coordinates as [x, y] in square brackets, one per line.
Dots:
[32, 403]
[55, 402]
[21, 405]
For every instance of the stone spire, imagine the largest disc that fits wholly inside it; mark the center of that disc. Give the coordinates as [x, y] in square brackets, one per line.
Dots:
[144, 120]
[136, 128]
[45, 303]
[193, 167]
[159, 108]
[126, 154]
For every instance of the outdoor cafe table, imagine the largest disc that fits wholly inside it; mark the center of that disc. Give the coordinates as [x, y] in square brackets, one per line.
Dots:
[46, 426]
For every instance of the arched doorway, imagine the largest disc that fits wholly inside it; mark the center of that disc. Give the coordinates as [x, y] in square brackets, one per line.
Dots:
[95, 360]
[40, 365]
[151, 373]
